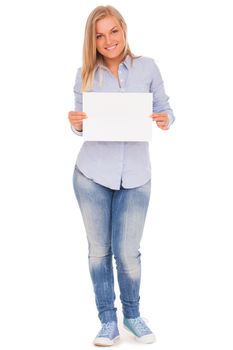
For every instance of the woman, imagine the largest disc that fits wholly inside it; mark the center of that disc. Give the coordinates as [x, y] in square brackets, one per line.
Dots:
[112, 180]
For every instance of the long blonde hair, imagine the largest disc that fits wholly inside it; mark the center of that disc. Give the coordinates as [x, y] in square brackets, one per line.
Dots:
[91, 56]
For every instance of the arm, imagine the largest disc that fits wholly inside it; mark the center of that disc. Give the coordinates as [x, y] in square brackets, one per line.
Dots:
[160, 99]
[78, 100]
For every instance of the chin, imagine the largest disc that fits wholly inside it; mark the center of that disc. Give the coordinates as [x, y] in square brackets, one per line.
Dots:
[114, 54]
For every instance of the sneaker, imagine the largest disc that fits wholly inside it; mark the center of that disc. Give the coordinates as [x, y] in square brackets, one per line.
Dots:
[108, 335]
[139, 329]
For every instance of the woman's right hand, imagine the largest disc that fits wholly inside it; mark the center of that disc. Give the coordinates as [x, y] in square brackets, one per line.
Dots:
[76, 119]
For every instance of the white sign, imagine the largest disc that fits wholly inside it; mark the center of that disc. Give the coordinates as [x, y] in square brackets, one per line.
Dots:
[116, 116]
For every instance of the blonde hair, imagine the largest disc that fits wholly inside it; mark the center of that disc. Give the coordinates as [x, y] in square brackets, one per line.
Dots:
[91, 57]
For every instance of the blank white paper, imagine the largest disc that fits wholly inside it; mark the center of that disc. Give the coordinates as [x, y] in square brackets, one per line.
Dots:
[117, 116]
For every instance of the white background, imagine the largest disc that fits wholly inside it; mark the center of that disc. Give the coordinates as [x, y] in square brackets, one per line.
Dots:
[47, 301]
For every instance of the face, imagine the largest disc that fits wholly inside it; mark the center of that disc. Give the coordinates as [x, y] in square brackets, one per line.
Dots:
[110, 41]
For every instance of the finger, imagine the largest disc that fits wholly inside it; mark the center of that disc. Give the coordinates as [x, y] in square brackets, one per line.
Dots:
[161, 123]
[77, 126]
[161, 120]
[72, 115]
[159, 117]
[78, 117]
[162, 126]
[76, 113]
[162, 117]
[159, 113]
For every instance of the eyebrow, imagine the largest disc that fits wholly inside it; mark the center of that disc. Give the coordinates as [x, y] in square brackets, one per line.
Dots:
[110, 29]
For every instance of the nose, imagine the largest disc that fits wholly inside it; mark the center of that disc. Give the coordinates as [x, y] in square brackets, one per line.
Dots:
[107, 39]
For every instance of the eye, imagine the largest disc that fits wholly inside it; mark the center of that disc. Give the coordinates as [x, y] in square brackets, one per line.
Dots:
[98, 36]
[115, 31]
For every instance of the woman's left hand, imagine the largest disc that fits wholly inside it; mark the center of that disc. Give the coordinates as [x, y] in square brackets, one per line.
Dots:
[162, 120]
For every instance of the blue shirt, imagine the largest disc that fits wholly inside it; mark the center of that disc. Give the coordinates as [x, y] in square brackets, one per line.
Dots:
[116, 163]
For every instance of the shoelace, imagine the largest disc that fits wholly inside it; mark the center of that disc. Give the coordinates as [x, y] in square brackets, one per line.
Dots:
[106, 329]
[139, 323]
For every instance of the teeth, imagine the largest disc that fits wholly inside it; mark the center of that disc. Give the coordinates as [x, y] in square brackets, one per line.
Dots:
[111, 48]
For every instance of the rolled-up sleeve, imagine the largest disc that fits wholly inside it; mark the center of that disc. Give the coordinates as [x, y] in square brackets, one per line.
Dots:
[79, 133]
[160, 99]
[78, 98]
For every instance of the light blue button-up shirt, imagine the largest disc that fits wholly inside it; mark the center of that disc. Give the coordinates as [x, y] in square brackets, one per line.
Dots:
[111, 163]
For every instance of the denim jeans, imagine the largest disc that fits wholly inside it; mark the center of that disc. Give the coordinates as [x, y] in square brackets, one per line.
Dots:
[114, 222]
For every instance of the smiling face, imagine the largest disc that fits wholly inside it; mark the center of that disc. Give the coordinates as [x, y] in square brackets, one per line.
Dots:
[110, 41]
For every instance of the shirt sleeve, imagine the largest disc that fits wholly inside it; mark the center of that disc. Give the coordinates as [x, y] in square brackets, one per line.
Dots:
[79, 133]
[78, 98]
[160, 99]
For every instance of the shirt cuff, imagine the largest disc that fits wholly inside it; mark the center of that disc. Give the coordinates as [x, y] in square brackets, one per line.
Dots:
[79, 133]
[171, 120]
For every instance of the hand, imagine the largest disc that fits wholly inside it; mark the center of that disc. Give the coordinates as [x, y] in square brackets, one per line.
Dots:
[76, 119]
[162, 120]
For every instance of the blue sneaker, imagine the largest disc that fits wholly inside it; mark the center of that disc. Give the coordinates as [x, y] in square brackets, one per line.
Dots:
[139, 329]
[108, 335]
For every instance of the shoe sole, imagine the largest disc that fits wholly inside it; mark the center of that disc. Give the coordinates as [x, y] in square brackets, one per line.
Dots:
[145, 339]
[105, 342]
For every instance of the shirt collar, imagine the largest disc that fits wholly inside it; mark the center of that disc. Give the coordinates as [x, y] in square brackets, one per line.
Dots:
[126, 63]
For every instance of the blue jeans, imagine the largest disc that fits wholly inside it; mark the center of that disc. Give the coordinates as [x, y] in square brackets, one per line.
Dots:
[114, 222]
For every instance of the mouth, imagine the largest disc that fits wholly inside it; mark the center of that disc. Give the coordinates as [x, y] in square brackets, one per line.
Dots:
[111, 48]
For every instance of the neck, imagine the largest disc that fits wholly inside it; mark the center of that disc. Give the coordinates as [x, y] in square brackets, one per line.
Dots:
[113, 63]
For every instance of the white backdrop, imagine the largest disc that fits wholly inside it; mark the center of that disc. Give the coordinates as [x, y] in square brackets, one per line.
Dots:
[47, 301]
